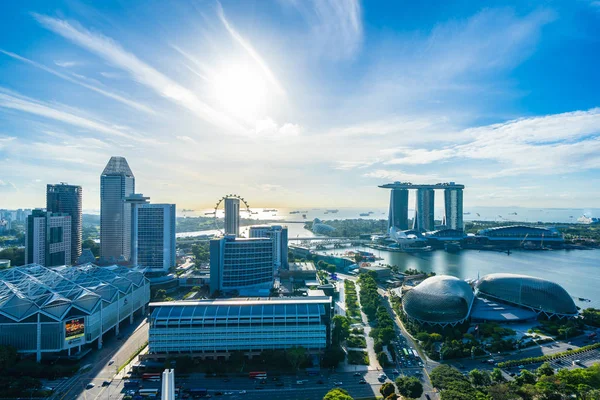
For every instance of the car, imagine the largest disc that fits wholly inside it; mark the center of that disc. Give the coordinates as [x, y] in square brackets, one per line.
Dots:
[362, 381]
[242, 392]
[90, 386]
[259, 387]
[226, 380]
[263, 382]
[105, 383]
[218, 393]
[521, 367]
[228, 393]
[320, 381]
[338, 383]
[111, 362]
[299, 382]
[279, 384]
[357, 374]
[512, 374]
[427, 396]
[569, 348]
[395, 372]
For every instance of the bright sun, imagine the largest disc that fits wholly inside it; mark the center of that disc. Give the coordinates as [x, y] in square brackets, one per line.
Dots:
[241, 90]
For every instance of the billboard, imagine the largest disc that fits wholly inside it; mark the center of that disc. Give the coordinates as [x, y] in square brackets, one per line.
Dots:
[74, 329]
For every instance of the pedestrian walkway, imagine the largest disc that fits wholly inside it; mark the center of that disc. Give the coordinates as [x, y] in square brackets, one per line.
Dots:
[373, 363]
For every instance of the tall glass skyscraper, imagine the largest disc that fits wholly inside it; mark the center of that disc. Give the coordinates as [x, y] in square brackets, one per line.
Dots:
[398, 215]
[424, 213]
[232, 216]
[154, 236]
[116, 184]
[66, 199]
[453, 202]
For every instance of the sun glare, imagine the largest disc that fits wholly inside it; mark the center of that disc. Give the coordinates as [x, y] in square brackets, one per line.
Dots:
[241, 91]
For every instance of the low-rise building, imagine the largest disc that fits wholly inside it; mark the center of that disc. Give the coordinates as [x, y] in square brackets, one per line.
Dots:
[215, 328]
[301, 271]
[383, 273]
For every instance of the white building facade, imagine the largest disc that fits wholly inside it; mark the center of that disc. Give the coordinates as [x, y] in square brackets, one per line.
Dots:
[279, 236]
[48, 239]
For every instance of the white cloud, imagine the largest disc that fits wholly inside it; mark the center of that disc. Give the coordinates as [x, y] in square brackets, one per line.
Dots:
[112, 52]
[336, 25]
[114, 96]
[395, 175]
[67, 64]
[25, 104]
[187, 139]
[267, 127]
[250, 50]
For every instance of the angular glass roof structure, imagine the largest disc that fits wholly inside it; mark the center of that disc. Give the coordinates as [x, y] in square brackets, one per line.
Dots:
[117, 166]
[537, 294]
[439, 300]
[27, 290]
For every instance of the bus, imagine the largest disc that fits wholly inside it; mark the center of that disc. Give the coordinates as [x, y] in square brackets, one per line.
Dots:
[257, 375]
[197, 392]
[131, 384]
[152, 376]
[148, 392]
[415, 353]
[405, 352]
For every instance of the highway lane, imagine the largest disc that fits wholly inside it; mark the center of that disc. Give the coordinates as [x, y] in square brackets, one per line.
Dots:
[99, 363]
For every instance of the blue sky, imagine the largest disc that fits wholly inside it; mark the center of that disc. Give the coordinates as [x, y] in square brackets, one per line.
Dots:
[302, 102]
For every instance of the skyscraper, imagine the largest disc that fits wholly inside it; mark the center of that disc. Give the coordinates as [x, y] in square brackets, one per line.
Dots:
[398, 214]
[241, 263]
[48, 239]
[453, 205]
[154, 236]
[279, 236]
[232, 216]
[116, 184]
[424, 213]
[66, 199]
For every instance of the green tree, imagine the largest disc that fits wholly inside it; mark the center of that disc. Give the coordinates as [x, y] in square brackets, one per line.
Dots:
[480, 378]
[8, 357]
[333, 356]
[337, 394]
[545, 370]
[386, 389]
[295, 356]
[93, 246]
[383, 359]
[444, 375]
[409, 387]
[497, 376]
[161, 294]
[386, 335]
[341, 329]
[525, 377]
[331, 268]
[16, 256]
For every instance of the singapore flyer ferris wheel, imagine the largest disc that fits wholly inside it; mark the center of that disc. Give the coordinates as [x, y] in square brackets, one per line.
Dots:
[220, 211]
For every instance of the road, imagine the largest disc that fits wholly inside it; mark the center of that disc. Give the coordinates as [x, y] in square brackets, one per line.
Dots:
[100, 367]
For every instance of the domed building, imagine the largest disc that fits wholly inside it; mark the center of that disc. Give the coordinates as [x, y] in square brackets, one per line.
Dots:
[539, 295]
[439, 300]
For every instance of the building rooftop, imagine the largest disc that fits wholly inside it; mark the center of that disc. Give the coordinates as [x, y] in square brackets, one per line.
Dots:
[117, 166]
[408, 185]
[31, 288]
[302, 267]
[245, 301]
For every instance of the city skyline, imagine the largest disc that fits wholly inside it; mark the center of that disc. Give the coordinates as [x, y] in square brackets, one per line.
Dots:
[302, 104]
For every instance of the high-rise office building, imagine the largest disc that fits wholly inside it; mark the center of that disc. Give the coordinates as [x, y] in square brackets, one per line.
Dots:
[453, 204]
[424, 213]
[232, 216]
[66, 199]
[237, 263]
[279, 236]
[48, 239]
[154, 236]
[398, 215]
[116, 184]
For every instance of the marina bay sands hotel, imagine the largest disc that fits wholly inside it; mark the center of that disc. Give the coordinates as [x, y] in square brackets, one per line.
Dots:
[424, 209]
